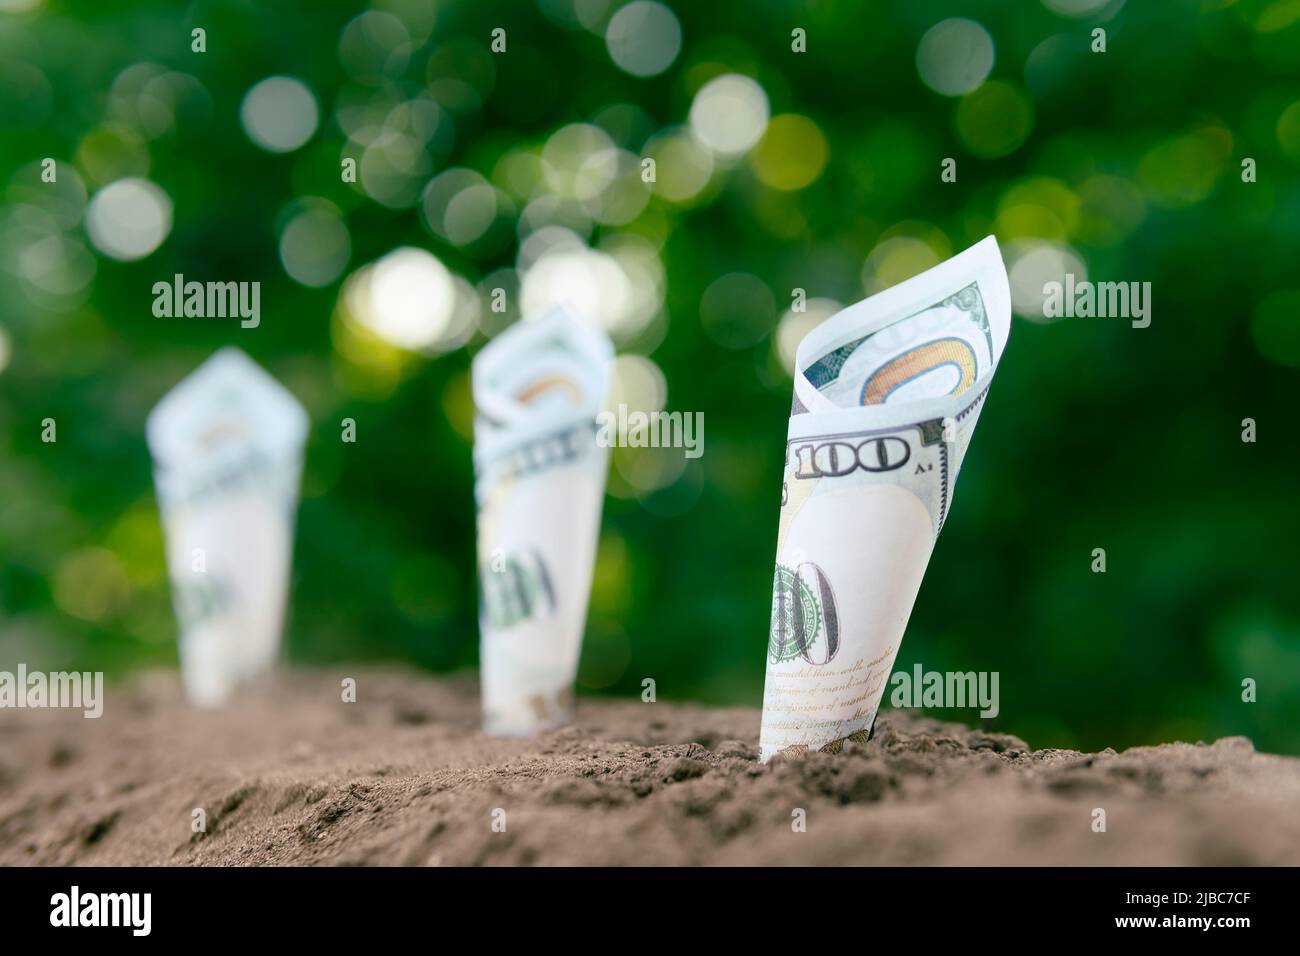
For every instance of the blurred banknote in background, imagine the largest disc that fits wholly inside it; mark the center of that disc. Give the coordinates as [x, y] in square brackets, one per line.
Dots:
[227, 445]
[539, 487]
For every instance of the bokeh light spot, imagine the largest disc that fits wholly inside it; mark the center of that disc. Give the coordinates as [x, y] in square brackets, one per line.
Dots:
[994, 120]
[644, 38]
[279, 114]
[408, 299]
[1079, 8]
[793, 326]
[91, 584]
[315, 245]
[63, 200]
[638, 383]
[578, 161]
[587, 279]
[1275, 327]
[909, 251]
[1182, 170]
[1288, 131]
[1041, 206]
[112, 152]
[129, 219]
[459, 205]
[1031, 265]
[954, 56]
[791, 154]
[374, 46]
[729, 114]
[682, 166]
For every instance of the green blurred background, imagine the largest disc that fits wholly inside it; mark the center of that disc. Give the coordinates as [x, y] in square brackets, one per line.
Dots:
[776, 170]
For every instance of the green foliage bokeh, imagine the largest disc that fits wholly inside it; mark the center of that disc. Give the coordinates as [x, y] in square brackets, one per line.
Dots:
[1096, 434]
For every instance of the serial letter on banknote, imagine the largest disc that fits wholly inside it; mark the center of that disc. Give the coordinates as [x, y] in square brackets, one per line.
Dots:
[227, 445]
[886, 397]
[539, 484]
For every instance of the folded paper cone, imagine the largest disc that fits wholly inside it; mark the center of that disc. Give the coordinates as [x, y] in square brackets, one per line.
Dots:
[539, 486]
[887, 393]
[227, 444]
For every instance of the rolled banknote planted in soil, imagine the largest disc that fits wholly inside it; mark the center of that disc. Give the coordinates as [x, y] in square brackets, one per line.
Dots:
[227, 446]
[886, 396]
[539, 483]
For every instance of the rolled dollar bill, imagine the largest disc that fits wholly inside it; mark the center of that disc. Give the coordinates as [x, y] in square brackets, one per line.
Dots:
[539, 483]
[886, 396]
[227, 445]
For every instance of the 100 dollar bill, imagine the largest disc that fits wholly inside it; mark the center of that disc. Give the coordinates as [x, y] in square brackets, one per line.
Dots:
[886, 397]
[539, 486]
[227, 444]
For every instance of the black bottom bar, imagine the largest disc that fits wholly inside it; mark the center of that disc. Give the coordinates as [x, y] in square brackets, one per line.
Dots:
[215, 905]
